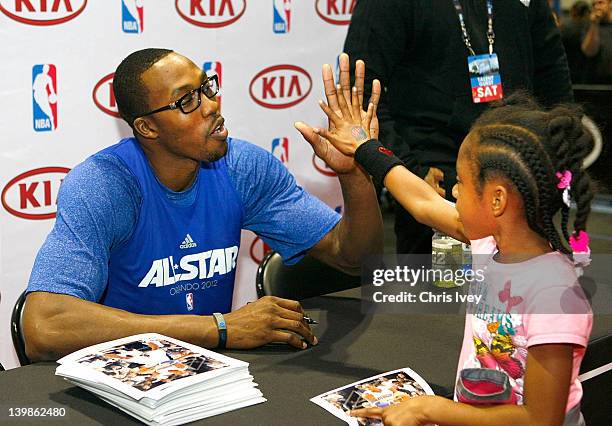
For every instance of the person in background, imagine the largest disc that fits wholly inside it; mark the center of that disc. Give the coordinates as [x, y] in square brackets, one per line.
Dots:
[572, 33]
[419, 50]
[597, 44]
[518, 168]
[148, 230]
[555, 13]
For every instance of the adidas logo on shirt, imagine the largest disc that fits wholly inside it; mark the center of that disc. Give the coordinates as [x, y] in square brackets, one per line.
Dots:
[188, 243]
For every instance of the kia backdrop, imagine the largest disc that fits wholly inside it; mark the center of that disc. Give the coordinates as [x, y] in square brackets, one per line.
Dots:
[57, 104]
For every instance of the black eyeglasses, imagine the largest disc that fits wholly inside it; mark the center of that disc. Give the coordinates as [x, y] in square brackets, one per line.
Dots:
[190, 101]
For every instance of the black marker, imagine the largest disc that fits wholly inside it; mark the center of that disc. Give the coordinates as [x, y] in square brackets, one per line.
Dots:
[309, 320]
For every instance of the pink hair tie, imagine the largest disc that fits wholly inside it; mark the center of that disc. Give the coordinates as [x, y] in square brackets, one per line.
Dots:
[565, 180]
[580, 243]
[580, 247]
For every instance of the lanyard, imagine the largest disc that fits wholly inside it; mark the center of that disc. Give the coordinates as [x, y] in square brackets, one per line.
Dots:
[466, 36]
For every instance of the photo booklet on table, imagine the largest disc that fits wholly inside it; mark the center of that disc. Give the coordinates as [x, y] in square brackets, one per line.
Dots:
[160, 380]
[382, 390]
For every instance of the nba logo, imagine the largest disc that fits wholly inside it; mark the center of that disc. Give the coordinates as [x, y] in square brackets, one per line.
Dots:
[282, 16]
[132, 16]
[280, 149]
[189, 300]
[44, 97]
[211, 68]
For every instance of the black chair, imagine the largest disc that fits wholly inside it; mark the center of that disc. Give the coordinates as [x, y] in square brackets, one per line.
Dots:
[596, 379]
[17, 331]
[308, 278]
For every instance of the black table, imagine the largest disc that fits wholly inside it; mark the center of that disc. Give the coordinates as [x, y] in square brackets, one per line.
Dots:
[352, 346]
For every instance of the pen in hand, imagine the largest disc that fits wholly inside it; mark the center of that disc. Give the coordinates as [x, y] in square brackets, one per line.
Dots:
[306, 318]
[309, 320]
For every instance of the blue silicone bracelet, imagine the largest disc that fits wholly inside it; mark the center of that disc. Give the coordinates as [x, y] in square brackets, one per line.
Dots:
[220, 320]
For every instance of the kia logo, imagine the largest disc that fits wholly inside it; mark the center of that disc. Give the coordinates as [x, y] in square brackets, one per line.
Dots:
[104, 96]
[321, 167]
[258, 250]
[42, 12]
[280, 86]
[335, 12]
[210, 13]
[33, 195]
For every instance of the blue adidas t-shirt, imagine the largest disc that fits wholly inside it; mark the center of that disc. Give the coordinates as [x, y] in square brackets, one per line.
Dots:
[100, 216]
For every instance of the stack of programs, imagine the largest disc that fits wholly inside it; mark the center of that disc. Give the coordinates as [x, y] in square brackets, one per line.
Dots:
[161, 380]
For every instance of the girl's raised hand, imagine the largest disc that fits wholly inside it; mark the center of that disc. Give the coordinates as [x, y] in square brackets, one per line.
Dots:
[349, 127]
[356, 125]
[345, 84]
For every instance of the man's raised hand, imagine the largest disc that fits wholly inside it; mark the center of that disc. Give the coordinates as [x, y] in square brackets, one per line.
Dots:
[349, 125]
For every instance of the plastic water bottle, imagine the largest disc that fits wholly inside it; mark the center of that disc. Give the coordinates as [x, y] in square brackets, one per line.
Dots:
[446, 258]
[467, 256]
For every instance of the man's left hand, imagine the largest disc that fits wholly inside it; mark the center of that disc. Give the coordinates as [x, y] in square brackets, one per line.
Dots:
[336, 160]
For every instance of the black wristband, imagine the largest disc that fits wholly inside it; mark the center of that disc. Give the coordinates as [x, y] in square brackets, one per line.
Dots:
[221, 326]
[376, 159]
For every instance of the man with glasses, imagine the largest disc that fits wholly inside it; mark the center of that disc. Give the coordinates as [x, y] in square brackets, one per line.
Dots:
[148, 230]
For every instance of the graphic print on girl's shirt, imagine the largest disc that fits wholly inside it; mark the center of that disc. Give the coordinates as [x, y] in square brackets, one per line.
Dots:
[534, 302]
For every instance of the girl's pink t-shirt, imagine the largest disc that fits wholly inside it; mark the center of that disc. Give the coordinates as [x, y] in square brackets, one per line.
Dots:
[534, 302]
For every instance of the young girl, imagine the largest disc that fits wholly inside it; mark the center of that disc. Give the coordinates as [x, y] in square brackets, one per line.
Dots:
[516, 169]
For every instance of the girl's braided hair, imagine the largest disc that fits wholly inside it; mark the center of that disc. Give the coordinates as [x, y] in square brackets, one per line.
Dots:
[528, 145]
